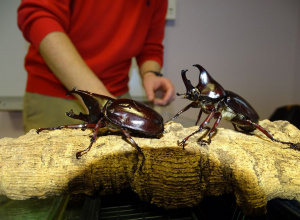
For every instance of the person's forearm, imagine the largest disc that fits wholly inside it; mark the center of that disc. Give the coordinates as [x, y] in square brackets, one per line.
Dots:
[66, 63]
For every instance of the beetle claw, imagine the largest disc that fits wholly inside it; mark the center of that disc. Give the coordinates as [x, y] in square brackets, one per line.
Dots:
[204, 142]
[295, 146]
[181, 143]
[78, 154]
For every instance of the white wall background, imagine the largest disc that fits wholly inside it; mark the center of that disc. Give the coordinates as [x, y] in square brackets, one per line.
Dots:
[13, 48]
[13, 76]
[251, 47]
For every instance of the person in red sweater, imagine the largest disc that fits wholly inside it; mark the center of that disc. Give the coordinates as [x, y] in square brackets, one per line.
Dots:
[89, 45]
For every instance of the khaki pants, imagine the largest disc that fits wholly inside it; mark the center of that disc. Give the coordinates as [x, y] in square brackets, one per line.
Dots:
[41, 111]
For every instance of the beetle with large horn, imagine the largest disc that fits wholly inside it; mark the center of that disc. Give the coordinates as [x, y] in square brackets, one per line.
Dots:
[219, 103]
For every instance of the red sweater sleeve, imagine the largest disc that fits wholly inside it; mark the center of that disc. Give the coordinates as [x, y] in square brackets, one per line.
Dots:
[153, 48]
[37, 18]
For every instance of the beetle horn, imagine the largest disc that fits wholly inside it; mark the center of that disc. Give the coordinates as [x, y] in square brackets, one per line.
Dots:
[88, 99]
[186, 82]
[204, 77]
[207, 85]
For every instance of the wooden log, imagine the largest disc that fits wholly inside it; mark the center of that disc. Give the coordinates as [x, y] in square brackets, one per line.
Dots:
[252, 167]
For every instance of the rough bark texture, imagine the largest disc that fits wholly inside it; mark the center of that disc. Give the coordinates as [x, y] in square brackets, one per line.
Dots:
[252, 167]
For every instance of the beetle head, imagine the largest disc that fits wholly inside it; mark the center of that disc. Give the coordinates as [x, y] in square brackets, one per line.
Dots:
[192, 93]
[208, 87]
[93, 102]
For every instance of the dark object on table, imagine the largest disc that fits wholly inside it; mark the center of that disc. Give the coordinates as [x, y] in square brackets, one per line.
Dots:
[289, 113]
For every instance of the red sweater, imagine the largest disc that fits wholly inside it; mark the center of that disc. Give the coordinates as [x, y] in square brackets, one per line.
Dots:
[106, 33]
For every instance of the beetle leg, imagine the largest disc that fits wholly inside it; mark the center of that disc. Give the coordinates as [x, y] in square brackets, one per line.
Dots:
[134, 144]
[295, 146]
[99, 125]
[192, 104]
[75, 126]
[182, 143]
[82, 126]
[131, 140]
[217, 122]
[204, 123]
[199, 116]
[235, 127]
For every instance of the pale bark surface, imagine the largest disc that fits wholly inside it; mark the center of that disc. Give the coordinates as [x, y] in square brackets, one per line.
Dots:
[252, 167]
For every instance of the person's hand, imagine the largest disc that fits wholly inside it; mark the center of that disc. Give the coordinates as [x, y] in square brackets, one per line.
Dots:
[154, 84]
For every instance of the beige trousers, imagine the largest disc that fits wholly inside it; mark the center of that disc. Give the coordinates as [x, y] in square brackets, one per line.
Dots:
[41, 111]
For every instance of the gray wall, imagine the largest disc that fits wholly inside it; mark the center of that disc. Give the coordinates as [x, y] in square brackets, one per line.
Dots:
[251, 47]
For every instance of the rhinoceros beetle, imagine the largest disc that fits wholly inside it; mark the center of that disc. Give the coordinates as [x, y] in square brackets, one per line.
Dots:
[125, 115]
[219, 103]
